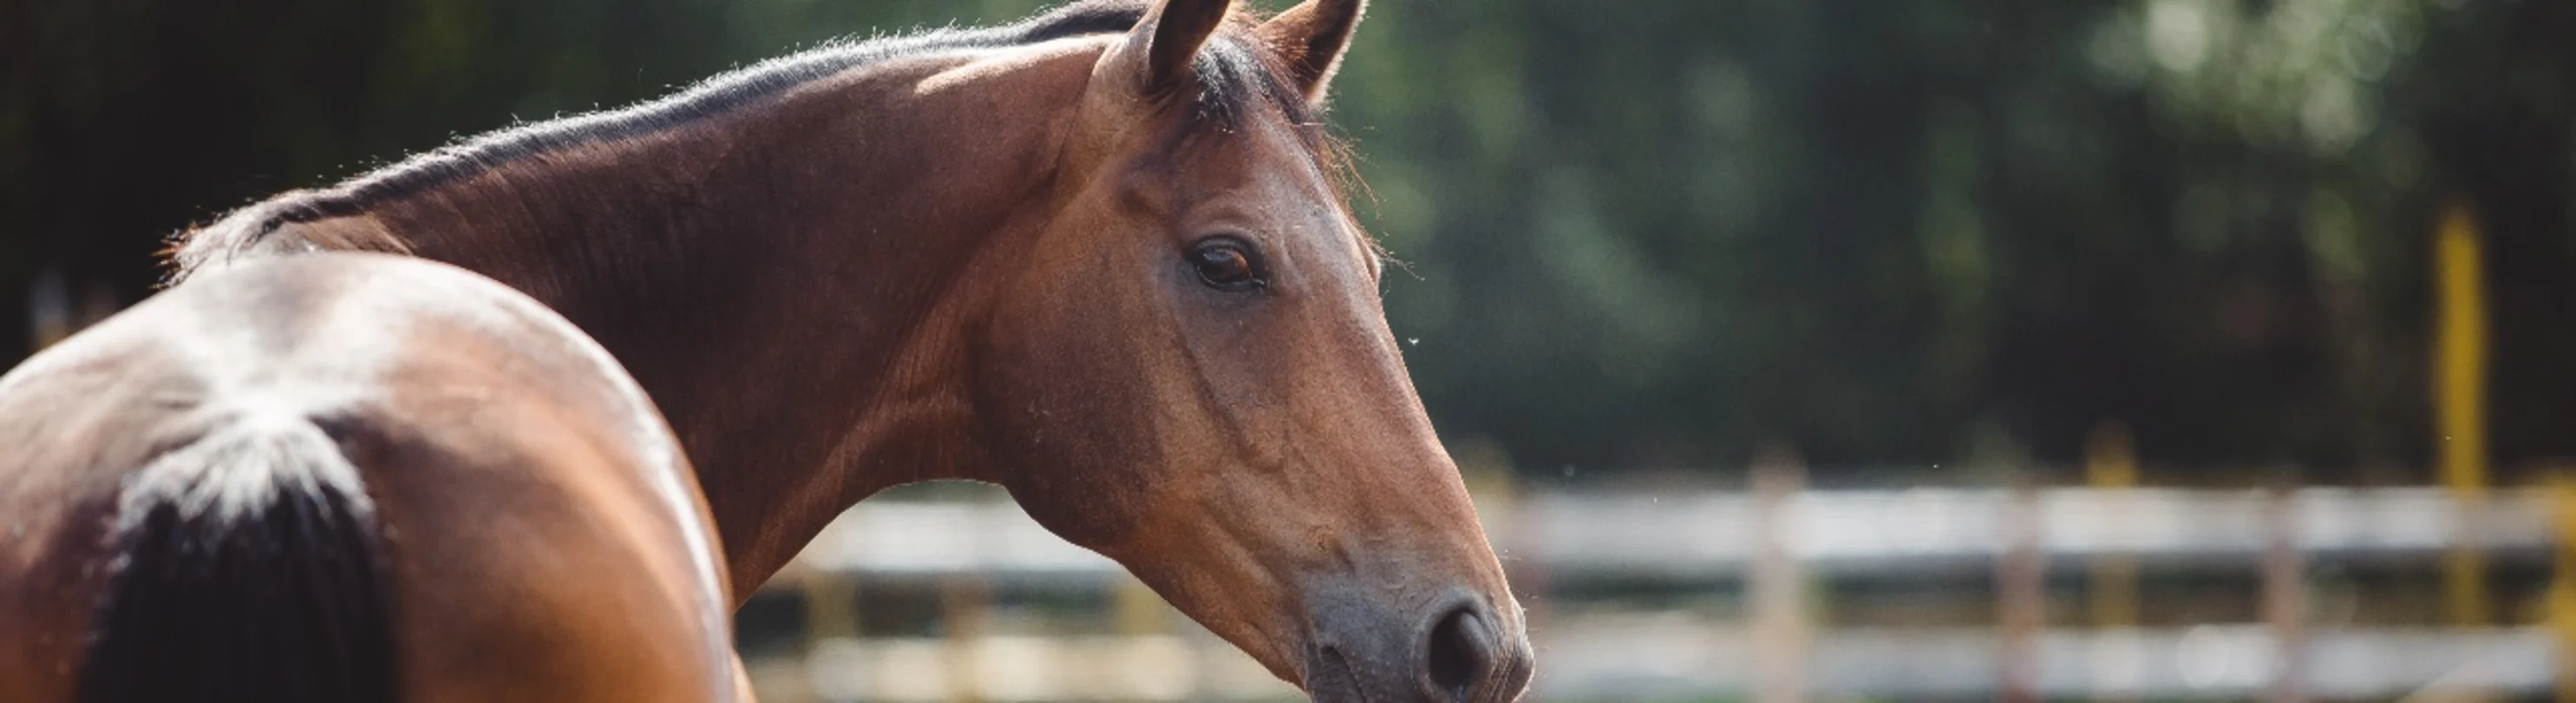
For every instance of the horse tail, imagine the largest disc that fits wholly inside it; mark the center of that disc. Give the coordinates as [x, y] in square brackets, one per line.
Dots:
[248, 567]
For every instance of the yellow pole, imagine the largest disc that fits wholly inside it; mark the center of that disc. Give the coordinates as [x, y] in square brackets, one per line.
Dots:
[2459, 378]
[2562, 586]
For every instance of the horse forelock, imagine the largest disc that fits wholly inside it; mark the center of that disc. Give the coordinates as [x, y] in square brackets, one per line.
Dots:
[1238, 78]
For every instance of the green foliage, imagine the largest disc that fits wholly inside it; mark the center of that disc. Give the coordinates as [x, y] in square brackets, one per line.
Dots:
[1647, 233]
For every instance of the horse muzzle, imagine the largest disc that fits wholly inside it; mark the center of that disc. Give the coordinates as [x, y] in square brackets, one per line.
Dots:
[1459, 649]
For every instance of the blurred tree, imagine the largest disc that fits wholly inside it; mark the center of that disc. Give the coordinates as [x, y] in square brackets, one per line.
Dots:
[1655, 233]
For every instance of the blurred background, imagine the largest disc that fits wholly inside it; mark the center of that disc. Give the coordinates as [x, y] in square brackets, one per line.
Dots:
[1839, 349]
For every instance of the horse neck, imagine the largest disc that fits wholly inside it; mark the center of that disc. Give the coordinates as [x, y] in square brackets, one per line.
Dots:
[780, 280]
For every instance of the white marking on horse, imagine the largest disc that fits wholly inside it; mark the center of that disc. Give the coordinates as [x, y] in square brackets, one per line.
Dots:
[238, 470]
[260, 436]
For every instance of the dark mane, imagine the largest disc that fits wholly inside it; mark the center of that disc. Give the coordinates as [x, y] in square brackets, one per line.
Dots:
[1235, 79]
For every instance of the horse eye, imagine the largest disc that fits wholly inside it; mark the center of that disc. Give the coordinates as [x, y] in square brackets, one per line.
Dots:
[1226, 264]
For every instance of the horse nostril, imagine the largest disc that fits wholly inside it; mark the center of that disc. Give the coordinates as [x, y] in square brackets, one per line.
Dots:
[1461, 654]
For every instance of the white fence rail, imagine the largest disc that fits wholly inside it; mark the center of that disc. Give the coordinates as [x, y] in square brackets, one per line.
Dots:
[1712, 535]
[1714, 538]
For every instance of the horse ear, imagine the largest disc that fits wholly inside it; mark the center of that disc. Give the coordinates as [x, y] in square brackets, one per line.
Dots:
[1168, 38]
[1311, 38]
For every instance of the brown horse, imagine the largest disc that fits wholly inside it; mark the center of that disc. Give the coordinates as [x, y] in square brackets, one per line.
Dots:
[1099, 258]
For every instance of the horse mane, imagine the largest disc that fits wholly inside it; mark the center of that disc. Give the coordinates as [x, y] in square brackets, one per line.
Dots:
[1235, 79]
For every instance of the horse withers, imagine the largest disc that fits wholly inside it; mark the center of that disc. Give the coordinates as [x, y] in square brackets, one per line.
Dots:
[1100, 257]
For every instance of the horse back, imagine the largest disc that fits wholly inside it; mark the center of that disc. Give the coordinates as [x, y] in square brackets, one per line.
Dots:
[412, 440]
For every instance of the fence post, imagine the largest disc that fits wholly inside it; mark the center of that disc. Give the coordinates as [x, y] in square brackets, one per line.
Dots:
[966, 602]
[2111, 468]
[1138, 612]
[2021, 596]
[1777, 588]
[49, 309]
[831, 610]
[2285, 596]
[2459, 387]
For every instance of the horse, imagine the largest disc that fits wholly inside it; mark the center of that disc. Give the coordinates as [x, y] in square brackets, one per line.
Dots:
[1101, 257]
